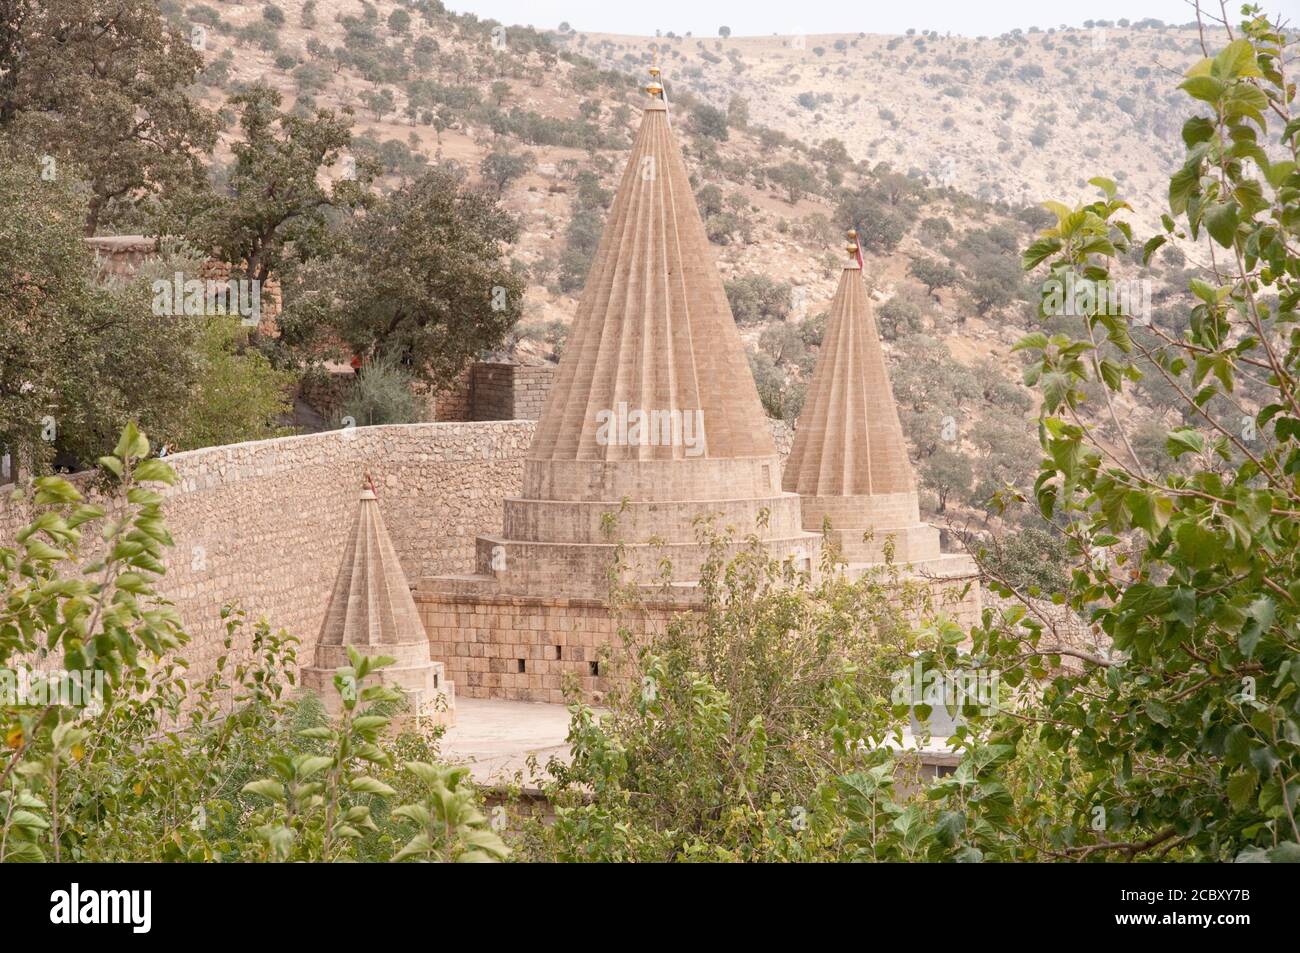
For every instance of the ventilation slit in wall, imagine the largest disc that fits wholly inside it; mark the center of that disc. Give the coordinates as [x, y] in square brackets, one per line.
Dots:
[521, 666]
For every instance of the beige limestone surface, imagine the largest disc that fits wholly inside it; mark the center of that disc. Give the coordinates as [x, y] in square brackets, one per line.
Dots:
[496, 738]
[372, 613]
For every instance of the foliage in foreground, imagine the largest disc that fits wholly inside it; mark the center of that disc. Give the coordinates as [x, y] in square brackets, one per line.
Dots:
[156, 768]
[762, 729]
[1186, 733]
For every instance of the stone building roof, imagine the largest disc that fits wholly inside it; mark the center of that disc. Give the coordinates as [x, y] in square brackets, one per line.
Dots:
[371, 604]
[653, 329]
[849, 439]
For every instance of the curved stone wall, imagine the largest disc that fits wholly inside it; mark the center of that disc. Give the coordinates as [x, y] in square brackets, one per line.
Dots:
[264, 523]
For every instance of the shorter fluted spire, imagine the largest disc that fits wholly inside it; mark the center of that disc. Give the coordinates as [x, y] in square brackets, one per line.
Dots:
[371, 604]
[849, 440]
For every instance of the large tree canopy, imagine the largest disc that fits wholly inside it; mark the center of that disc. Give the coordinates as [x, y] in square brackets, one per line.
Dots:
[422, 277]
[101, 87]
[274, 206]
[77, 358]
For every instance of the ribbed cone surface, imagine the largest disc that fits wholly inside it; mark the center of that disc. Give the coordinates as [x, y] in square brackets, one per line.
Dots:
[653, 331]
[371, 603]
[848, 440]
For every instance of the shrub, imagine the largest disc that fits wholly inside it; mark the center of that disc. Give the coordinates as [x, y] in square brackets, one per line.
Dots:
[745, 729]
[384, 393]
[239, 396]
[898, 318]
[710, 122]
[756, 298]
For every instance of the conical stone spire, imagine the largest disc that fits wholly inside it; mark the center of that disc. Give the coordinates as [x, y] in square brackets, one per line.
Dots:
[653, 330]
[653, 419]
[849, 460]
[371, 610]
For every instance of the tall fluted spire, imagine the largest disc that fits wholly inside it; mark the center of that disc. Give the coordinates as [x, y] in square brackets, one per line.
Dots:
[653, 330]
[849, 439]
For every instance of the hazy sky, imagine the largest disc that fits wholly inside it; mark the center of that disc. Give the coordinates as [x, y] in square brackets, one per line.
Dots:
[763, 17]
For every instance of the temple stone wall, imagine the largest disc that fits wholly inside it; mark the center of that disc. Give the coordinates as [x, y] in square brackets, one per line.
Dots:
[525, 648]
[528, 648]
[264, 523]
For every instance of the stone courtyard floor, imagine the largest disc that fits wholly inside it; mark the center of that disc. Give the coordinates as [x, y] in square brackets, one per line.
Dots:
[496, 738]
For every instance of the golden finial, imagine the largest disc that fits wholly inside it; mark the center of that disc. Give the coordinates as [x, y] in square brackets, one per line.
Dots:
[853, 243]
[654, 87]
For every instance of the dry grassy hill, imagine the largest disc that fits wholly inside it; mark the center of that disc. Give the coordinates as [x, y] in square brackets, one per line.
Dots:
[1018, 117]
[942, 145]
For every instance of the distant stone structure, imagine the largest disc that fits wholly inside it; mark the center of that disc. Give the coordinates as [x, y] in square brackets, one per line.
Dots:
[371, 611]
[849, 461]
[495, 390]
[121, 256]
[653, 425]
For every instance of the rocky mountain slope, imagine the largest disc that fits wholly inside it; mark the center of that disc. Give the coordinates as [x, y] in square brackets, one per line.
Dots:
[937, 147]
[1016, 117]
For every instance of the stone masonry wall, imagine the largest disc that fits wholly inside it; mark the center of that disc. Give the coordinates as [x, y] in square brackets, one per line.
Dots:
[523, 648]
[491, 391]
[532, 381]
[453, 403]
[484, 390]
[264, 522]
[501, 391]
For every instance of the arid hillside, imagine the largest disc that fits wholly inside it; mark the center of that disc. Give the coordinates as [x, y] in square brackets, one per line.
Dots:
[1016, 117]
[937, 149]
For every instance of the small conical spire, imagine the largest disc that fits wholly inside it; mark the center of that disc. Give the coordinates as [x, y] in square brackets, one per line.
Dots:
[371, 603]
[849, 439]
[372, 611]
